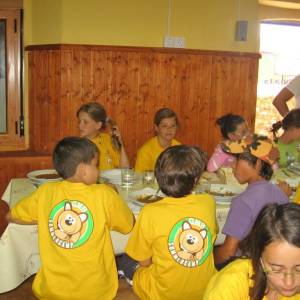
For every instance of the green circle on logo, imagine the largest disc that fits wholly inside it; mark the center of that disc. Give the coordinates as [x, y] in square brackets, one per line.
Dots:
[189, 242]
[70, 224]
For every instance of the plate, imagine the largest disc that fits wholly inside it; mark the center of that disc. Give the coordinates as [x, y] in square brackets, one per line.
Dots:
[135, 195]
[39, 177]
[295, 165]
[223, 193]
[114, 176]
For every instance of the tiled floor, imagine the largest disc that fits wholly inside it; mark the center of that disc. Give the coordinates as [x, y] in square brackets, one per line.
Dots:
[23, 292]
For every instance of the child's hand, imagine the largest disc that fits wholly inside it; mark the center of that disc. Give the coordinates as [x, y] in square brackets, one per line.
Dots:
[285, 188]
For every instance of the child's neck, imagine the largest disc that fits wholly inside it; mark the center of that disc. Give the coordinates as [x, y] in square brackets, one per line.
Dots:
[286, 138]
[255, 179]
[164, 143]
[92, 136]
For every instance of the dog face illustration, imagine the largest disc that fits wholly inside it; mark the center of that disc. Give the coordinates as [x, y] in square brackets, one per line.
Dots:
[70, 223]
[191, 240]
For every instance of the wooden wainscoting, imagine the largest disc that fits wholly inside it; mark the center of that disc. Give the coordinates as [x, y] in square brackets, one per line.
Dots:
[18, 164]
[132, 83]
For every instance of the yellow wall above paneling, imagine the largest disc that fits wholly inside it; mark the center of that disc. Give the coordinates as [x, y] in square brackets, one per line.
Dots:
[204, 24]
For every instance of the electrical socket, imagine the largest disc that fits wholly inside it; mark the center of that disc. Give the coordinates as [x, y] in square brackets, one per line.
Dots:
[174, 42]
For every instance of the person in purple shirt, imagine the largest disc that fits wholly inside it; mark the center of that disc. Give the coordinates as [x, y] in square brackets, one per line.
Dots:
[253, 166]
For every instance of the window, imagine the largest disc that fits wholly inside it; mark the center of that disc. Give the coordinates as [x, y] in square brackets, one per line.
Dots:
[11, 107]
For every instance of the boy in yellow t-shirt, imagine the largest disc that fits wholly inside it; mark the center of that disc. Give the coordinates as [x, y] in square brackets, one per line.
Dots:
[171, 243]
[74, 219]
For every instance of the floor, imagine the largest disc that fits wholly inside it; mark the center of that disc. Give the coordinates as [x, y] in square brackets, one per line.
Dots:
[23, 292]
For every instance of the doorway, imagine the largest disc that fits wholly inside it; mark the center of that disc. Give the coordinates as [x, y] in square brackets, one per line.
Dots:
[280, 62]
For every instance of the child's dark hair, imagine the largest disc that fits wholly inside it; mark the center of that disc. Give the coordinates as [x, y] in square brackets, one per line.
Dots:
[164, 113]
[228, 124]
[178, 169]
[274, 223]
[266, 170]
[95, 110]
[70, 152]
[292, 119]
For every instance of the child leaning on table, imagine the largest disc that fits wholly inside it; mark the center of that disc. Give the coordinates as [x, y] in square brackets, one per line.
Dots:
[171, 243]
[74, 220]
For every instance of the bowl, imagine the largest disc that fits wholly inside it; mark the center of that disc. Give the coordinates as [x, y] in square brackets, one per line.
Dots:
[39, 177]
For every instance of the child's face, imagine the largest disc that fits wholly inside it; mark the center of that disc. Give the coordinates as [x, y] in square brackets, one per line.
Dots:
[295, 133]
[282, 263]
[167, 129]
[242, 130]
[88, 127]
[91, 171]
[244, 172]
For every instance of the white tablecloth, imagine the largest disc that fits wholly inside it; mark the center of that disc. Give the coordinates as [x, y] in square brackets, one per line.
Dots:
[19, 254]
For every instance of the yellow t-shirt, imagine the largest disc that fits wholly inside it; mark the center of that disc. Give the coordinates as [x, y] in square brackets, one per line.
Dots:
[74, 223]
[233, 283]
[148, 154]
[178, 234]
[109, 157]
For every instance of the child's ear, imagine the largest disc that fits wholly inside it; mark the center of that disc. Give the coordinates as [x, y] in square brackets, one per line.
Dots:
[231, 136]
[258, 165]
[99, 125]
[156, 128]
[81, 170]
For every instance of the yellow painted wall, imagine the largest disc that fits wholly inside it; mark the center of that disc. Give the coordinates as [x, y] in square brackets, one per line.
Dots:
[204, 24]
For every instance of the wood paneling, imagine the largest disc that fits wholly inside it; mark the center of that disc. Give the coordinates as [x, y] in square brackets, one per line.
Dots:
[18, 164]
[132, 83]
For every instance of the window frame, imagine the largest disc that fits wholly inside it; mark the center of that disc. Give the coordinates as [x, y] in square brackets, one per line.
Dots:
[13, 139]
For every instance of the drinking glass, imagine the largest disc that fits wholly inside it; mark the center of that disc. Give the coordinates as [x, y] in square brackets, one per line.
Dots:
[127, 177]
[148, 178]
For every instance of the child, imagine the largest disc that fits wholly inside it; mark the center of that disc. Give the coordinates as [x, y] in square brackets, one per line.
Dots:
[253, 166]
[74, 219]
[165, 125]
[173, 238]
[270, 268]
[92, 119]
[289, 141]
[233, 128]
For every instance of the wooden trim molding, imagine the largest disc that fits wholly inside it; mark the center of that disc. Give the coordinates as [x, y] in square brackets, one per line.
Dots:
[139, 49]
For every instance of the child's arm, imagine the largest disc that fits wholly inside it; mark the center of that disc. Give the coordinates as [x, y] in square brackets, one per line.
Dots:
[145, 263]
[217, 159]
[227, 250]
[11, 219]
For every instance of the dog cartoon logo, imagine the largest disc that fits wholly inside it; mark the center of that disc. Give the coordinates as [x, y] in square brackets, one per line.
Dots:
[70, 224]
[190, 242]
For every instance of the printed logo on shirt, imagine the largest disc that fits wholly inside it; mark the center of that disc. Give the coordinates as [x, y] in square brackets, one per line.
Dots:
[70, 224]
[190, 242]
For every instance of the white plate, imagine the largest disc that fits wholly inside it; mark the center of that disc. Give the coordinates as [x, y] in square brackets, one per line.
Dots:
[225, 192]
[114, 176]
[133, 196]
[38, 181]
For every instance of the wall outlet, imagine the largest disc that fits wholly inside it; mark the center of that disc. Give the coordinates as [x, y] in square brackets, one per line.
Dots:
[174, 42]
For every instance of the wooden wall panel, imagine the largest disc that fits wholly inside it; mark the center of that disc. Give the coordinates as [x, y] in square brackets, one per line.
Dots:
[18, 165]
[132, 83]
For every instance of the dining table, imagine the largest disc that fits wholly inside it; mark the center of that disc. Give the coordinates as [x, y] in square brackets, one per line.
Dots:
[19, 252]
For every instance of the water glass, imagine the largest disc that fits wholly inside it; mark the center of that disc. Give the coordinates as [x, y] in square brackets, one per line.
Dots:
[127, 177]
[148, 178]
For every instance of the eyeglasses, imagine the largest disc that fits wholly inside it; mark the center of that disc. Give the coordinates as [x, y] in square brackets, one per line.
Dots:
[278, 273]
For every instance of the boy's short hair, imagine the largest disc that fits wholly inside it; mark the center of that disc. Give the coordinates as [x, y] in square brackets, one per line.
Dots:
[70, 152]
[178, 169]
[165, 113]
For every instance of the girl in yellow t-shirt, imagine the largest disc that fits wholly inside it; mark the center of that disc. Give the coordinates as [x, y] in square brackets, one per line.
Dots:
[92, 118]
[165, 124]
[270, 267]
